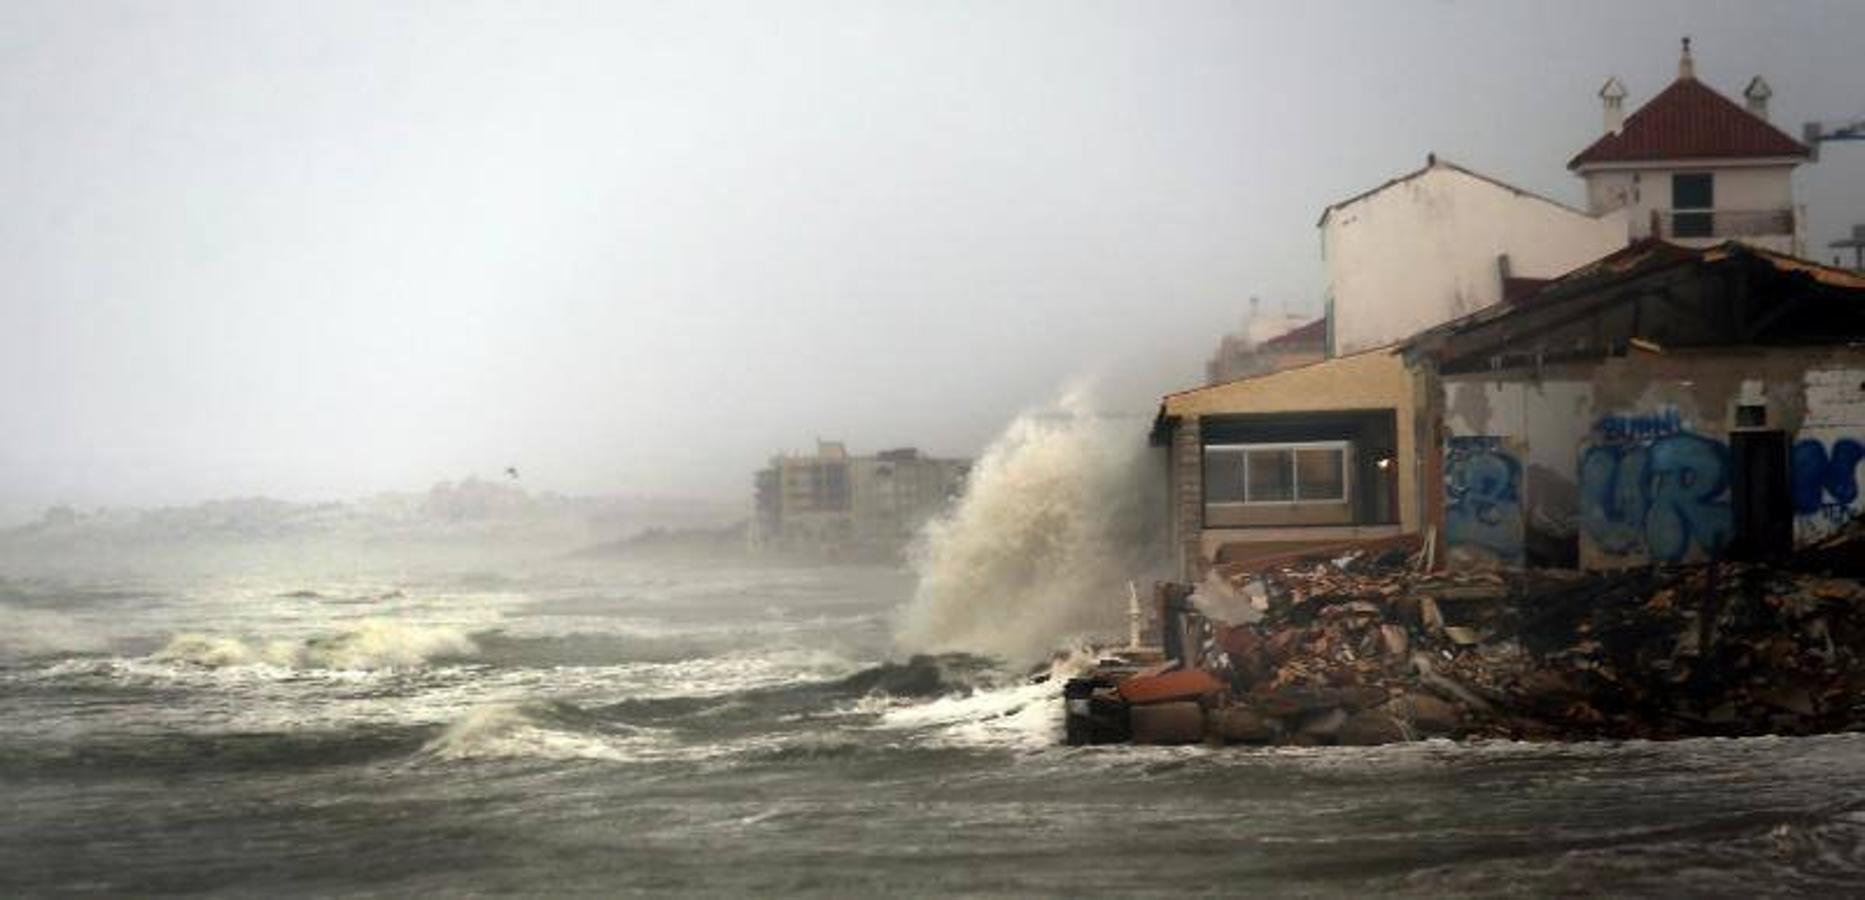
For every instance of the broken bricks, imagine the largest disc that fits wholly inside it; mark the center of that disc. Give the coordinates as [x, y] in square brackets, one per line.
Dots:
[1363, 649]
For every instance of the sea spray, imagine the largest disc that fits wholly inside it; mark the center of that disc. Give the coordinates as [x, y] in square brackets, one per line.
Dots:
[1062, 510]
[1019, 713]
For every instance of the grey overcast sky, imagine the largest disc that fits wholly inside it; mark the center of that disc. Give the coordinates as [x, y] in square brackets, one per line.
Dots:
[320, 249]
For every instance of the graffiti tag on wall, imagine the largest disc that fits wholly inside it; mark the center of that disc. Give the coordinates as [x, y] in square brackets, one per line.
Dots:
[1826, 480]
[1621, 428]
[1651, 490]
[1483, 497]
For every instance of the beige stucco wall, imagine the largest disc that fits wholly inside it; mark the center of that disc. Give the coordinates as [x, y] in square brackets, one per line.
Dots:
[1424, 251]
[1373, 380]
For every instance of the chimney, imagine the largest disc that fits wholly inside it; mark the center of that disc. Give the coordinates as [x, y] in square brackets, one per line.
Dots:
[1686, 67]
[1758, 93]
[1612, 96]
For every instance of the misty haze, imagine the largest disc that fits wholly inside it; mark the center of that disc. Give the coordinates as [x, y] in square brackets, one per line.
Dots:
[1038, 449]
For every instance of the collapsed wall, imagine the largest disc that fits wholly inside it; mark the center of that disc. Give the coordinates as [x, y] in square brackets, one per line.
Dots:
[1365, 649]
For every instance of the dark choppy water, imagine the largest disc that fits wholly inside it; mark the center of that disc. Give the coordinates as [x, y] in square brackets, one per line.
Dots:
[660, 729]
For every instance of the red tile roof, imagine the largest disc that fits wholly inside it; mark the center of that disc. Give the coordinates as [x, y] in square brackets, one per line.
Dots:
[1315, 332]
[1689, 120]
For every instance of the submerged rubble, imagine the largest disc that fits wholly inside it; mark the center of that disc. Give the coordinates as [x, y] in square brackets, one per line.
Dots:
[1360, 647]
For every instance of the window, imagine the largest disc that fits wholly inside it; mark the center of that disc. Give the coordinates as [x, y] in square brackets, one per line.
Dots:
[1321, 474]
[1276, 473]
[1223, 475]
[1270, 475]
[1692, 191]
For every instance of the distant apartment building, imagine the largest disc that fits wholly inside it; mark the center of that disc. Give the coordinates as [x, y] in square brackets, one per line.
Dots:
[836, 504]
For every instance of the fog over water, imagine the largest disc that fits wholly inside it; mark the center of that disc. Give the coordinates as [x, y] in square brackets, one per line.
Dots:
[318, 251]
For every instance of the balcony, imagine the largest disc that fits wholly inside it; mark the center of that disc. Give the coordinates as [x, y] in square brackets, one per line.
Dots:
[1721, 223]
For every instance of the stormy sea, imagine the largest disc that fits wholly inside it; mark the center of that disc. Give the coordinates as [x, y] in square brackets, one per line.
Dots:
[292, 716]
[660, 728]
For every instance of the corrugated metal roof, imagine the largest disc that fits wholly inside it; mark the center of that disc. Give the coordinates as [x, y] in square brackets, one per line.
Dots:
[1635, 260]
[1831, 276]
[1689, 120]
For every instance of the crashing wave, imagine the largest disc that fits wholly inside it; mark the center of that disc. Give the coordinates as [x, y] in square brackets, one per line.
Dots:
[370, 644]
[553, 731]
[925, 676]
[1024, 714]
[1057, 516]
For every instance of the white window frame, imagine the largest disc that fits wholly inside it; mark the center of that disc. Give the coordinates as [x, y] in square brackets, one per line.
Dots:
[1244, 450]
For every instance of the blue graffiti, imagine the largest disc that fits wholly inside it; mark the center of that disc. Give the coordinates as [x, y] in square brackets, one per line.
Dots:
[1482, 488]
[1664, 497]
[1621, 427]
[1826, 483]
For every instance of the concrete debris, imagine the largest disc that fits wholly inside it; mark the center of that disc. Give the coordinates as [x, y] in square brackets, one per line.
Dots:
[1364, 649]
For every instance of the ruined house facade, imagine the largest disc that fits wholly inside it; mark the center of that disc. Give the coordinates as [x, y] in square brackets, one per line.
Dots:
[1666, 404]
[1577, 451]
[1331, 448]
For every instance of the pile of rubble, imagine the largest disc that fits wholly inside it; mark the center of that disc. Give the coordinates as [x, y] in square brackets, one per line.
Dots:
[1365, 649]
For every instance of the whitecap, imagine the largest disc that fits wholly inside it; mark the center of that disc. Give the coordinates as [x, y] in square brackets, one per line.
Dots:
[369, 644]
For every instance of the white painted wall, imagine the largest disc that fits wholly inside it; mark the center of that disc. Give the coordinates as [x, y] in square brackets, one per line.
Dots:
[1638, 191]
[1423, 251]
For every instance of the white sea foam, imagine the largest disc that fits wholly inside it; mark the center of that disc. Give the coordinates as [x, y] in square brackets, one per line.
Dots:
[1024, 715]
[369, 644]
[546, 732]
[1057, 516]
[509, 730]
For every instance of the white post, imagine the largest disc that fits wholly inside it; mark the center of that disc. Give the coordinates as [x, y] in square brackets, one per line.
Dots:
[1134, 616]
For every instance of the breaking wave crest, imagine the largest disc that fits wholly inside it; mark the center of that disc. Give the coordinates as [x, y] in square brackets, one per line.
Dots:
[370, 644]
[549, 731]
[1024, 714]
[1059, 513]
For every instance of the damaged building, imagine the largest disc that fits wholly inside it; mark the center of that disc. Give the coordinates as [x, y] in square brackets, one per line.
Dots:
[1526, 432]
[1290, 460]
[1664, 404]
[1561, 474]
[1330, 449]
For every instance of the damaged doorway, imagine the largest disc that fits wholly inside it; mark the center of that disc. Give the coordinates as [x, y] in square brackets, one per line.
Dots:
[1763, 506]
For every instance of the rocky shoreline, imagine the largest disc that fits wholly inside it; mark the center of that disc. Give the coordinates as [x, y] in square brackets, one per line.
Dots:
[1362, 649]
